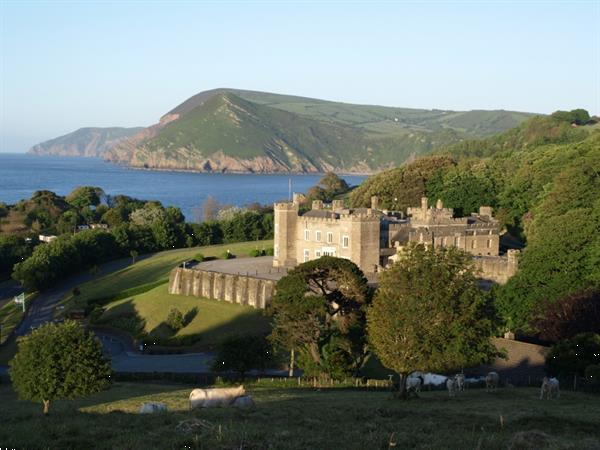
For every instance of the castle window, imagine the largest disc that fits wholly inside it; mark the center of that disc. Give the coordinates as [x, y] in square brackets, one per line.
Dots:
[307, 235]
[318, 253]
[306, 255]
[276, 250]
[318, 236]
[329, 237]
[489, 244]
[473, 243]
[345, 241]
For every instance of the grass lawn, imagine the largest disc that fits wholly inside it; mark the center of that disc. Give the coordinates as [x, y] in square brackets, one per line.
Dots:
[153, 268]
[11, 315]
[207, 321]
[306, 419]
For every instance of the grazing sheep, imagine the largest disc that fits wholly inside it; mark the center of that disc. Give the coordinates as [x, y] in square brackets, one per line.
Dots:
[460, 381]
[492, 380]
[550, 388]
[414, 383]
[451, 385]
[245, 401]
[153, 407]
[208, 398]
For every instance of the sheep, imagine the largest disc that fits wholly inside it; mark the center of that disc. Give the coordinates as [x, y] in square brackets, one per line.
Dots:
[152, 407]
[550, 388]
[243, 402]
[414, 382]
[451, 385]
[460, 381]
[491, 381]
[207, 398]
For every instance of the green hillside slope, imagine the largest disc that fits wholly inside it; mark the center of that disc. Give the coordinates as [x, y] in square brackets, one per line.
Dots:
[228, 130]
[84, 142]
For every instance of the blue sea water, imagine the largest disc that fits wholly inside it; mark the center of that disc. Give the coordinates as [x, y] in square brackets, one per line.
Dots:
[21, 175]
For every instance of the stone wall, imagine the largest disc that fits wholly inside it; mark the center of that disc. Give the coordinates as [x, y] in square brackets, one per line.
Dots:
[240, 289]
[497, 268]
[523, 365]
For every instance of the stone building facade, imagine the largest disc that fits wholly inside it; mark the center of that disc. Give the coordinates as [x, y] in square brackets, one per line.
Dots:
[372, 238]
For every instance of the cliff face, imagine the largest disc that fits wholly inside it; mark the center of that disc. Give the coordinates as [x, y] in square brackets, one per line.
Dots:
[227, 130]
[91, 142]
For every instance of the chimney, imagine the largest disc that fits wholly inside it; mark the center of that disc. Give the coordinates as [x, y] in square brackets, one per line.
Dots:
[336, 205]
[485, 211]
[374, 203]
[317, 205]
[424, 204]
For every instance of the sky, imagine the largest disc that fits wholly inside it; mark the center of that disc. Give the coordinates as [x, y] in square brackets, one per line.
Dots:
[66, 65]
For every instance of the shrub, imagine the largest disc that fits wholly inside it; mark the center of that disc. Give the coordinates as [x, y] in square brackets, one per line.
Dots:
[175, 320]
[270, 251]
[242, 353]
[592, 373]
[227, 255]
[256, 253]
[96, 314]
[199, 257]
[573, 356]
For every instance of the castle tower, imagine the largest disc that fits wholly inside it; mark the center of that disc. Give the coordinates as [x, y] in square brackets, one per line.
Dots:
[286, 219]
[365, 235]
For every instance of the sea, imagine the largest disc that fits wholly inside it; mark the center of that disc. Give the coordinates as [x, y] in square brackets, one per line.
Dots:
[21, 175]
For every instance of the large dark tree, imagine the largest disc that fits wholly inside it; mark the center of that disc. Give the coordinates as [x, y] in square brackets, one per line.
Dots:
[319, 310]
[568, 316]
[242, 353]
[430, 315]
[58, 362]
[572, 356]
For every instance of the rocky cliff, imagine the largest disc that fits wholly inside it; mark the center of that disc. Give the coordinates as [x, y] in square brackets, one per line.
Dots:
[84, 142]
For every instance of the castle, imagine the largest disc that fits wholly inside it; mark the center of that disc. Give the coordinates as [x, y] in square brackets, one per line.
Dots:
[371, 237]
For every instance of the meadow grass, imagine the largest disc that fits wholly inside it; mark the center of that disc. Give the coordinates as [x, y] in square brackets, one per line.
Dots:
[305, 419]
[11, 315]
[208, 321]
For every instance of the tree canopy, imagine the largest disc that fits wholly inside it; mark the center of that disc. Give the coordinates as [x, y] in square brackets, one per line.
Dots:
[58, 361]
[318, 309]
[429, 314]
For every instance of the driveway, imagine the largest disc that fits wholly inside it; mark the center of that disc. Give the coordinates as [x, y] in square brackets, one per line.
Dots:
[42, 308]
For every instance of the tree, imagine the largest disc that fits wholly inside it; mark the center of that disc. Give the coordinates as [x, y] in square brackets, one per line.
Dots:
[242, 353]
[318, 309]
[175, 320]
[568, 316]
[210, 208]
[85, 196]
[429, 314]
[328, 188]
[58, 361]
[572, 356]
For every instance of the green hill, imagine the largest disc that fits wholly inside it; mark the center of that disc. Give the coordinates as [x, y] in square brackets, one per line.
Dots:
[228, 130]
[84, 142]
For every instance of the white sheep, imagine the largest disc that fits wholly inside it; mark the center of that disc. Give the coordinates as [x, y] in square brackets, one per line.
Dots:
[209, 398]
[492, 380]
[451, 385]
[550, 388]
[460, 381]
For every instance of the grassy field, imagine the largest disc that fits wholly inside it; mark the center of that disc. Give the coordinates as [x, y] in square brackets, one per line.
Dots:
[306, 419]
[207, 321]
[11, 315]
[153, 268]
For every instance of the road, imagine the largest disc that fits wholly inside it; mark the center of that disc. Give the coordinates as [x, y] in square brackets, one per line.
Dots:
[42, 308]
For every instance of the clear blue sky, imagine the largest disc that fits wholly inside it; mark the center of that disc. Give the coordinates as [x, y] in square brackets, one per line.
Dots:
[73, 64]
